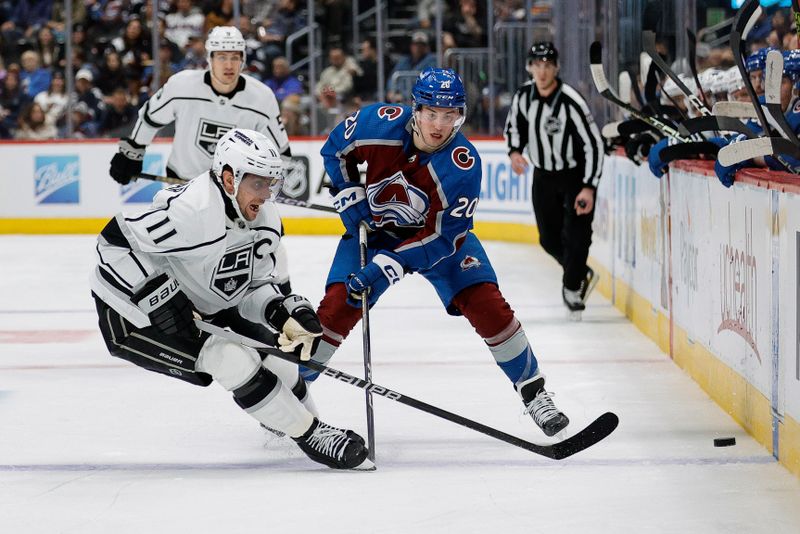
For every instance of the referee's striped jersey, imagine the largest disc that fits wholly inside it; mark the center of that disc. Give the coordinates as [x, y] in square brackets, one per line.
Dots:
[559, 131]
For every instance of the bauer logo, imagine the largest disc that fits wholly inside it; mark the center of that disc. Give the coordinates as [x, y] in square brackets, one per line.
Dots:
[143, 191]
[56, 179]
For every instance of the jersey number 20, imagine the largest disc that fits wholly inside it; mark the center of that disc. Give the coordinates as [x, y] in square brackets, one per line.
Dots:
[465, 207]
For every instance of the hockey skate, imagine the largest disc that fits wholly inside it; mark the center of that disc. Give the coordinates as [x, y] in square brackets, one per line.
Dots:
[539, 405]
[334, 447]
[574, 303]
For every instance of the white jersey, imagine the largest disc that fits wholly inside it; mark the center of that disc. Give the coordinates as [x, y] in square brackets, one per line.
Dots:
[191, 233]
[202, 116]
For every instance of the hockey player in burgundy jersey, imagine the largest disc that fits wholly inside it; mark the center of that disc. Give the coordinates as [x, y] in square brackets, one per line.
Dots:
[422, 186]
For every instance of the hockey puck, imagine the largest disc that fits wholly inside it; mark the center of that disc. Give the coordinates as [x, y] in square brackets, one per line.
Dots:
[724, 442]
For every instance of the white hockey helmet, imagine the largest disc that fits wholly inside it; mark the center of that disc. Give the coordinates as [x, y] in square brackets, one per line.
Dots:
[225, 39]
[248, 152]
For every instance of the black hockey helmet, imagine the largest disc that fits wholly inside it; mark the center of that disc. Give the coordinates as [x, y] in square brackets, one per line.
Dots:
[544, 51]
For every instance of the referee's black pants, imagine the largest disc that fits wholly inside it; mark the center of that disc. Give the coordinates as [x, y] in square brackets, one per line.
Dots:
[563, 234]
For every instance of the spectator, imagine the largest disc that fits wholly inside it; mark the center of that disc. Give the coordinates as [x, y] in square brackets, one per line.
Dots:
[59, 16]
[418, 60]
[119, 116]
[466, 26]
[221, 14]
[112, 73]
[83, 127]
[33, 124]
[50, 52]
[33, 77]
[336, 81]
[87, 93]
[195, 57]
[292, 117]
[283, 83]
[29, 15]
[285, 20]
[54, 101]
[134, 45]
[186, 22]
[365, 83]
[12, 98]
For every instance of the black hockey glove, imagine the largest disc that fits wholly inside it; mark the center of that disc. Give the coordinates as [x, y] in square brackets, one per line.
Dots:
[299, 325]
[127, 163]
[168, 308]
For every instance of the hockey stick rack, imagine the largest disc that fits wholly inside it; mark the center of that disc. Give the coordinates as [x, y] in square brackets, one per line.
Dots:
[601, 83]
[596, 431]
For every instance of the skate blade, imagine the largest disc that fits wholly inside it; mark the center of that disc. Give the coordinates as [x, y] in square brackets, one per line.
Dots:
[575, 316]
[366, 465]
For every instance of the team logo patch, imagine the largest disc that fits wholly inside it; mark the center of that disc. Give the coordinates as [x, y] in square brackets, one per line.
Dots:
[389, 112]
[462, 159]
[552, 126]
[470, 262]
[394, 201]
[233, 273]
[56, 179]
[208, 133]
[796, 107]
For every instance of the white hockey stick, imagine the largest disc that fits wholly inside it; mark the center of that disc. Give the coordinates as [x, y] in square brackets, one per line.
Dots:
[739, 110]
[756, 148]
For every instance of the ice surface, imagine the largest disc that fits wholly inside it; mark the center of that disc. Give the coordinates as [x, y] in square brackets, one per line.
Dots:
[92, 444]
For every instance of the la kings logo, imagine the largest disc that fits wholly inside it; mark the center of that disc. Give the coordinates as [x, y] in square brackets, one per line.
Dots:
[208, 133]
[233, 273]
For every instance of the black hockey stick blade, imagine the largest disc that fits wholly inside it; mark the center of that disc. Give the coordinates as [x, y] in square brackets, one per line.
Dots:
[758, 148]
[597, 430]
[745, 18]
[716, 124]
[696, 150]
[280, 199]
[633, 127]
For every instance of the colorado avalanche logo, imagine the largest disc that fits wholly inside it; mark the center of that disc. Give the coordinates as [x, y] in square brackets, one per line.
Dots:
[394, 201]
[389, 112]
[462, 159]
[470, 262]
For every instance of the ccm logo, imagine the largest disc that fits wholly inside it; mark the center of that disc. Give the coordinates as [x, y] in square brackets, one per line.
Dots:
[372, 388]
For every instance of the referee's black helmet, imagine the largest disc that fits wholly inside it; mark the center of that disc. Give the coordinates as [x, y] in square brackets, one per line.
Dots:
[543, 51]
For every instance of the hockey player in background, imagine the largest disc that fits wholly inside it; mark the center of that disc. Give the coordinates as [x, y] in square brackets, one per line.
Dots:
[207, 248]
[423, 181]
[205, 105]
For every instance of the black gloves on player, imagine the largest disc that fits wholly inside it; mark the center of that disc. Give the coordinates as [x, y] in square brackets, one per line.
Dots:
[127, 163]
[299, 325]
[168, 308]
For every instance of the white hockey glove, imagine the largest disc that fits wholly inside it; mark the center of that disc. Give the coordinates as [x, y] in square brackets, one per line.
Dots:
[299, 325]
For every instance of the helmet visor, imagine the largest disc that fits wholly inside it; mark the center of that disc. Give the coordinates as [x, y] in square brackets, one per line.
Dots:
[264, 187]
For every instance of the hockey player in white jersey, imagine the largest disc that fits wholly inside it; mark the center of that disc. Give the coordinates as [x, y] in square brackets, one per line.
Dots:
[208, 248]
[205, 105]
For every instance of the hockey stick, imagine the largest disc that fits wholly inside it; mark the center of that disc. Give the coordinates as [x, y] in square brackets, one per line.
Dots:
[757, 148]
[741, 110]
[773, 75]
[597, 430]
[649, 44]
[718, 124]
[279, 199]
[695, 150]
[743, 22]
[367, 345]
[693, 64]
[633, 127]
[601, 83]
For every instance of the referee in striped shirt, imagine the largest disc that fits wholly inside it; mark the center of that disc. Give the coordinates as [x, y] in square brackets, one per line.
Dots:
[551, 120]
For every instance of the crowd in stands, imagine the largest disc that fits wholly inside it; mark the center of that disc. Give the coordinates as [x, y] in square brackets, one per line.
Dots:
[113, 68]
